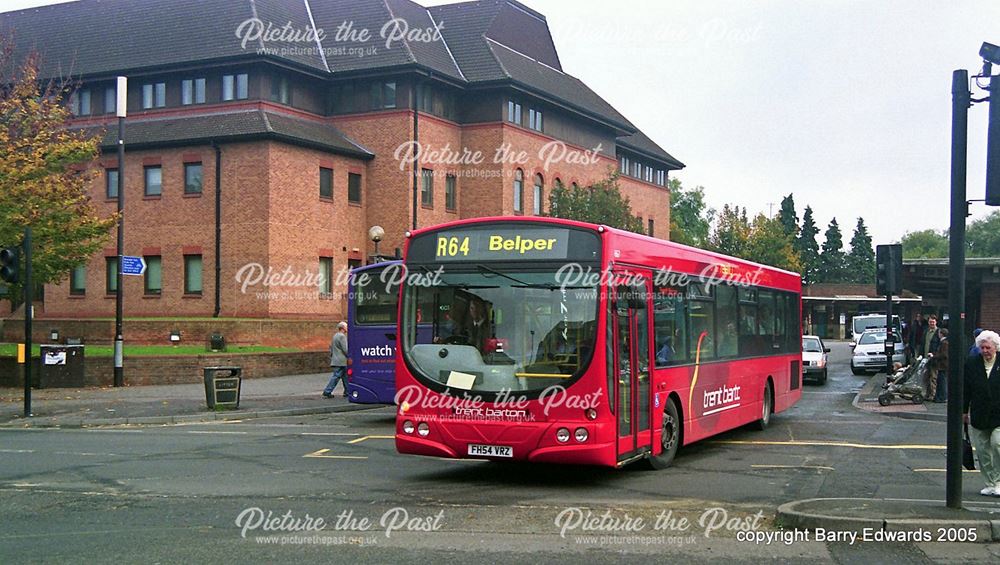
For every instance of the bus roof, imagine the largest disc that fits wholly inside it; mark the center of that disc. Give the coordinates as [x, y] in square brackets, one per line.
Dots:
[632, 248]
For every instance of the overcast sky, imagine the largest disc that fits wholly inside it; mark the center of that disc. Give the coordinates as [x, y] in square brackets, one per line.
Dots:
[846, 104]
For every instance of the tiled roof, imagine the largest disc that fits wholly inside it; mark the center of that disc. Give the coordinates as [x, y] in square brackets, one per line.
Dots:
[237, 126]
[642, 143]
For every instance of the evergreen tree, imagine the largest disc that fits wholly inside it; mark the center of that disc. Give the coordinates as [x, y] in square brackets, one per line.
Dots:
[788, 218]
[833, 262]
[861, 259]
[808, 248]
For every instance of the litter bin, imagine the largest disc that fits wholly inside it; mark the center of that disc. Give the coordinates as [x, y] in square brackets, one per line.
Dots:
[61, 366]
[222, 386]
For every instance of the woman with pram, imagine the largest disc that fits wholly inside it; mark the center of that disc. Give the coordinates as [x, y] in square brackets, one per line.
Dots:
[981, 407]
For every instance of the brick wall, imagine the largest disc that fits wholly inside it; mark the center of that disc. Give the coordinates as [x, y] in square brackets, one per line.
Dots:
[143, 371]
[304, 334]
[989, 308]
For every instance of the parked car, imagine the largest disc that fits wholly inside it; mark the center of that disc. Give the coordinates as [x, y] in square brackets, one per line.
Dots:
[869, 353]
[814, 359]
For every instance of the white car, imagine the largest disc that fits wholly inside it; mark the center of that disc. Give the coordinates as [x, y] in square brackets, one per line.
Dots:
[814, 358]
[869, 353]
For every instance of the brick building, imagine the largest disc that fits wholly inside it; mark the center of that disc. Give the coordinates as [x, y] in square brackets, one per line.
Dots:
[251, 132]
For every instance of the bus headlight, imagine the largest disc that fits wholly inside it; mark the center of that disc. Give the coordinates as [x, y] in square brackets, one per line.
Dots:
[581, 435]
[408, 427]
[562, 435]
[423, 429]
[591, 414]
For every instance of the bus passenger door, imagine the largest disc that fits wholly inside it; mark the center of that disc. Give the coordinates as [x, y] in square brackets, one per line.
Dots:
[632, 352]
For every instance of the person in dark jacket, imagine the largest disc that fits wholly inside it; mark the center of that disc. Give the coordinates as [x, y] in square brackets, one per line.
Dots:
[974, 350]
[940, 362]
[928, 347]
[981, 407]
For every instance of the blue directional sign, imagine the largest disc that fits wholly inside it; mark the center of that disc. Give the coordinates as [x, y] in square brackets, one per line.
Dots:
[133, 265]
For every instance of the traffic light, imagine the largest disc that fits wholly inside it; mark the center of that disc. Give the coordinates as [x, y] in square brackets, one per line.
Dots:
[10, 264]
[993, 145]
[888, 269]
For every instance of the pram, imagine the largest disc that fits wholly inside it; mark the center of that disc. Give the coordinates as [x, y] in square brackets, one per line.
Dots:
[906, 383]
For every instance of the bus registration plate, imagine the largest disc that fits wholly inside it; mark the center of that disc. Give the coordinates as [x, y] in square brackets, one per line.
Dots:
[490, 450]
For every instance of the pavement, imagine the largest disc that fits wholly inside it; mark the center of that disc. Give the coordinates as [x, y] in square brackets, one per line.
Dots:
[169, 404]
[978, 520]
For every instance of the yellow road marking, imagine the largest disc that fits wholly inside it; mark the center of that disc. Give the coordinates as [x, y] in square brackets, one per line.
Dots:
[363, 438]
[826, 444]
[825, 468]
[321, 454]
[942, 471]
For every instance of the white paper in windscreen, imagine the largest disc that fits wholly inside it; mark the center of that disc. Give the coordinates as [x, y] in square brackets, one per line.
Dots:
[463, 381]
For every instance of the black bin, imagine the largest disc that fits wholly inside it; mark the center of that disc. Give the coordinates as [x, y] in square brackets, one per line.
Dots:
[61, 366]
[222, 386]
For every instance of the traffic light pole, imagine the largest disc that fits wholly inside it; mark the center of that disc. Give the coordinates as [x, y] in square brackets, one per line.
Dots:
[27, 322]
[890, 337]
[961, 100]
[119, 337]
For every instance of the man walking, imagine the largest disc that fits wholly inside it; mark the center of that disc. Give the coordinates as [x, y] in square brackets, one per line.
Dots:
[981, 406]
[338, 360]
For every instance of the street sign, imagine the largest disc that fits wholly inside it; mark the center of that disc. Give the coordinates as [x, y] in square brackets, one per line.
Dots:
[133, 265]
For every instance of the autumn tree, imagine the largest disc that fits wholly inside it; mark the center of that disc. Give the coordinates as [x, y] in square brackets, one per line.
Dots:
[832, 261]
[731, 233]
[690, 217]
[861, 259]
[808, 248]
[768, 244]
[44, 174]
[600, 203]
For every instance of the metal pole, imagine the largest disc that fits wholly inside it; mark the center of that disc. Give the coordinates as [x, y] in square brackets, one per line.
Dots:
[890, 337]
[119, 287]
[961, 100]
[416, 152]
[27, 322]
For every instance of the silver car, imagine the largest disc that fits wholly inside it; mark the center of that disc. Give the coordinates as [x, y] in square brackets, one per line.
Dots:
[869, 353]
[814, 358]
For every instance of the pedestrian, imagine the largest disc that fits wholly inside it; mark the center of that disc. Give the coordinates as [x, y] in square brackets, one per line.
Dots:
[338, 360]
[928, 347]
[981, 408]
[916, 337]
[974, 350]
[941, 365]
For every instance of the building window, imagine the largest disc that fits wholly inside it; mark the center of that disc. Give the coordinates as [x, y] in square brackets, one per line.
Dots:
[279, 90]
[661, 177]
[649, 173]
[637, 170]
[650, 227]
[78, 280]
[623, 165]
[450, 197]
[513, 112]
[537, 204]
[235, 87]
[111, 274]
[192, 274]
[79, 103]
[427, 187]
[111, 183]
[325, 183]
[535, 119]
[325, 276]
[110, 99]
[354, 188]
[193, 91]
[154, 180]
[154, 95]
[154, 275]
[383, 95]
[518, 191]
[192, 178]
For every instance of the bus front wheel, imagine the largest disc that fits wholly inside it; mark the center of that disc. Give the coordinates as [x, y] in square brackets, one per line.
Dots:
[766, 409]
[670, 437]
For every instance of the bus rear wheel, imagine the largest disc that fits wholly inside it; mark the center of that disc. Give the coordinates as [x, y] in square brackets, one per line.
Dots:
[670, 437]
[766, 409]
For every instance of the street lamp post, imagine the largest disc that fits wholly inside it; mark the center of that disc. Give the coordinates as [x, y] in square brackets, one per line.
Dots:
[122, 91]
[376, 234]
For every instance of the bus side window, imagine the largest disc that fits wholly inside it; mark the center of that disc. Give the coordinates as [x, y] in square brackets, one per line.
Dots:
[669, 327]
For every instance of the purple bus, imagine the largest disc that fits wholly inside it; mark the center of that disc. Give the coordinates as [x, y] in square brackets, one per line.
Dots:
[371, 333]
